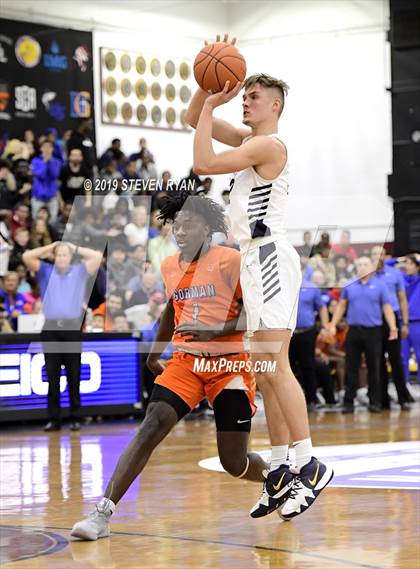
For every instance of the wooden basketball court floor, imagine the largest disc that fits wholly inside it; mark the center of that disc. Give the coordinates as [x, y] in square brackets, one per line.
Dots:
[179, 515]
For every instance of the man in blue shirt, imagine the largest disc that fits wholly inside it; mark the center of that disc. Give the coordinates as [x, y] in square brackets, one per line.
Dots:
[13, 301]
[394, 282]
[365, 299]
[46, 171]
[62, 287]
[302, 344]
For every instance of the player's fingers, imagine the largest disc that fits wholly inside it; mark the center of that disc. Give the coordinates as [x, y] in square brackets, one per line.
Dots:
[226, 38]
[206, 42]
[218, 37]
[234, 40]
[226, 87]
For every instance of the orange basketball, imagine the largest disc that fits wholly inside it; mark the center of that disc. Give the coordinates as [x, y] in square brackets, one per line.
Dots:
[217, 63]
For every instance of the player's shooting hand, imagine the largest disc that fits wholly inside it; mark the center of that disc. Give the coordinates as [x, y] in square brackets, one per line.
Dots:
[198, 331]
[224, 96]
[155, 365]
[224, 40]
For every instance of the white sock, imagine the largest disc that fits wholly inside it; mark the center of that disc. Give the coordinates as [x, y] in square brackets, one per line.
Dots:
[278, 456]
[106, 504]
[303, 452]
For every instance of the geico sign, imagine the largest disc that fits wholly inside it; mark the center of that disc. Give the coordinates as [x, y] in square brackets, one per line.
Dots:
[23, 375]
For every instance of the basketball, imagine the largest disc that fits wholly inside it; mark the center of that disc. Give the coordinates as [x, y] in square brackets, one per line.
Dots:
[217, 63]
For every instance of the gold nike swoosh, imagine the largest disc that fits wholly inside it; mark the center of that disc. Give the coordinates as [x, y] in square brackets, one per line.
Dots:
[315, 478]
[277, 486]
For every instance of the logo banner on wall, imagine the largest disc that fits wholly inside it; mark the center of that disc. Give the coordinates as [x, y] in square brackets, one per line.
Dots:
[46, 78]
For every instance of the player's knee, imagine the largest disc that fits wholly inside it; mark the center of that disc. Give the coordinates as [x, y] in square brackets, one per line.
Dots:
[234, 465]
[157, 422]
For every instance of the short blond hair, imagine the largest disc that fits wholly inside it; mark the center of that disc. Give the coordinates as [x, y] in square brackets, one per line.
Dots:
[269, 82]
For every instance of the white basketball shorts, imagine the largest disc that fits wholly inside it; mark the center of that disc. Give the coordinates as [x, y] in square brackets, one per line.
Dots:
[270, 280]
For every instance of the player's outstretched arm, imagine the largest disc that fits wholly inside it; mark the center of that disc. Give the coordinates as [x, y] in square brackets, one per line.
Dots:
[222, 130]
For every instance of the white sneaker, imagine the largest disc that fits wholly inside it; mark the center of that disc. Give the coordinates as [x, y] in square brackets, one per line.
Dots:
[96, 525]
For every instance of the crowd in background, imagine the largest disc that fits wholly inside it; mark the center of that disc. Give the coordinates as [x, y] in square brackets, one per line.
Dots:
[44, 198]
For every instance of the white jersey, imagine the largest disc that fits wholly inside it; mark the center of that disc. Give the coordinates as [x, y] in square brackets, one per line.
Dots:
[257, 206]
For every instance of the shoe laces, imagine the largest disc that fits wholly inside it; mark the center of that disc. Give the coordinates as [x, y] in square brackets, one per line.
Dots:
[297, 485]
[102, 508]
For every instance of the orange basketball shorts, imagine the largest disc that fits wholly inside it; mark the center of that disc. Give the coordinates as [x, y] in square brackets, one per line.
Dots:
[194, 378]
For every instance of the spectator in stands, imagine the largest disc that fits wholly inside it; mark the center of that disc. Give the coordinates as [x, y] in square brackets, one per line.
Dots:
[137, 231]
[46, 171]
[13, 301]
[365, 299]
[160, 247]
[122, 207]
[344, 247]
[21, 244]
[60, 224]
[29, 142]
[142, 149]
[226, 197]
[322, 262]
[341, 264]
[307, 269]
[73, 175]
[67, 280]
[165, 186]
[9, 196]
[106, 196]
[82, 139]
[412, 287]
[155, 224]
[19, 157]
[305, 250]
[112, 306]
[20, 218]
[394, 282]
[114, 152]
[5, 248]
[120, 323]
[24, 287]
[40, 235]
[150, 283]
[130, 172]
[5, 327]
[44, 214]
[193, 179]
[334, 348]
[98, 323]
[324, 243]
[147, 170]
[141, 315]
[302, 345]
[120, 268]
[137, 255]
[52, 135]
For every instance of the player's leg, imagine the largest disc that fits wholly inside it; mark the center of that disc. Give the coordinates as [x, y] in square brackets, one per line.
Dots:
[311, 475]
[160, 419]
[233, 413]
[165, 409]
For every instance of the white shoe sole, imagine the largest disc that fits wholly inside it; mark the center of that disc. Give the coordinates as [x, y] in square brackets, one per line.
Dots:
[82, 533]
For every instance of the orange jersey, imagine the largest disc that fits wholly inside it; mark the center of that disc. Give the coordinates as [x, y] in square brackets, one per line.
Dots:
[208, 291]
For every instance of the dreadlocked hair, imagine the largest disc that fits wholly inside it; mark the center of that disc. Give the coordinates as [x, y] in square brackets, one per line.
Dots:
[213, 213]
